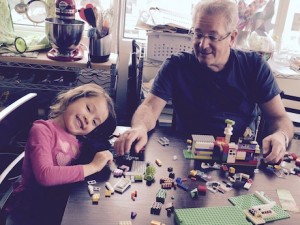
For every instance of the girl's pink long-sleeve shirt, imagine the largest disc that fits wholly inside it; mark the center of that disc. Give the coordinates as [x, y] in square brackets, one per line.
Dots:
[49, 153]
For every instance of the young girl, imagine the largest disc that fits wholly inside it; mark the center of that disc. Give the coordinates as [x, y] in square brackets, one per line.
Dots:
[51, 148]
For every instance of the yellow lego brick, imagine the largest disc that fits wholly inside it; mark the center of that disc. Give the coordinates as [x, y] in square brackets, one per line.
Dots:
[95, 197]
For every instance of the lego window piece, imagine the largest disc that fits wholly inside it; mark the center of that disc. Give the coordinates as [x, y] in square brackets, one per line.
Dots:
[122, 185]
[163, 141]
[287, 201]
[138, 166]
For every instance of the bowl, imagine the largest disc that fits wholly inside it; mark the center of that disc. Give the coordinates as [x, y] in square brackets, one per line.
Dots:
[64, 35]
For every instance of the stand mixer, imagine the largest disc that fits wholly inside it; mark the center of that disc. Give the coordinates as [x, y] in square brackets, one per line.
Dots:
[64, 32]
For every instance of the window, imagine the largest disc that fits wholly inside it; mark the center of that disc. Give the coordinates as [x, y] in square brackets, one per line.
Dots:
[138, 14]
[283, 23]
[290, 39]
[37, 12]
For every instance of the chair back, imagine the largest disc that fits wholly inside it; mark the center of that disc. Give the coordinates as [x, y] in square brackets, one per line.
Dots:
[135, 78]
[15, 120]
[292, 106]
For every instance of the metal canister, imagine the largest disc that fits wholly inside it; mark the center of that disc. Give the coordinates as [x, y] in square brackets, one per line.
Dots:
[65, 9]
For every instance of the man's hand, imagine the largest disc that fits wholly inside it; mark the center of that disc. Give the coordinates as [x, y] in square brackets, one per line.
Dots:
[123, 144]
[274, 147]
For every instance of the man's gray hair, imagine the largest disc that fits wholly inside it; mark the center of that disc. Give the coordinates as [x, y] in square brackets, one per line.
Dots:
[228, 8]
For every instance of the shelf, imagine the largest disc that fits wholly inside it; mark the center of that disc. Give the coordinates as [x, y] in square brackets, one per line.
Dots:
[103, 74]
[42, 62]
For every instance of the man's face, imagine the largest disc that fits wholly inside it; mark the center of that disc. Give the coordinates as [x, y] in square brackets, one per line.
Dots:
[85, 114]
[212, 41]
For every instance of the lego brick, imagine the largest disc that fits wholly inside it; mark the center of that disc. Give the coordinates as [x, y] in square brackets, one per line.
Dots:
[183, 186]
[91, 189]
[203, 138]
[133, 215]
[161, 195]
[255, 220]
[158, 162]
[125, 222]
[108, 193]
[156, 208]
[138, 167]
[154, 222]
[109, 187]
[95, 198]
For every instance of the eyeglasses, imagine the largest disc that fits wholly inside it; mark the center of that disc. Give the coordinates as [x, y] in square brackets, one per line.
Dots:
[211, 37]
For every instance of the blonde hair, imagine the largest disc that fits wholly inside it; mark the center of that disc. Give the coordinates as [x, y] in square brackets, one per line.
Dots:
[227, 8]
[64, 99]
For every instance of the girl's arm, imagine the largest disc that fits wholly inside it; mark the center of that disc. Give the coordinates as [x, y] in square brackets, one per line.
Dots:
[99, 161]
[50, 169]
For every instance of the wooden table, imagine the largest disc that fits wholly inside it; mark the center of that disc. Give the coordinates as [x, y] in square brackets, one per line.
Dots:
[80, 210]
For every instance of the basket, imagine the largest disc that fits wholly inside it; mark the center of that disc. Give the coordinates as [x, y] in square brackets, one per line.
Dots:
[162, 45]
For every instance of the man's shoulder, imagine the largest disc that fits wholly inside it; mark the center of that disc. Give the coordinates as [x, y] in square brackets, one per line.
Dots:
[246, 54]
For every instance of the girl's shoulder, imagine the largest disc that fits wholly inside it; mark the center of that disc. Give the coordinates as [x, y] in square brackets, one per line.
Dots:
[44, 126]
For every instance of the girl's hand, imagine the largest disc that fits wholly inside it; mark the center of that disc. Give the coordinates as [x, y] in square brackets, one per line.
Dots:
[99, 161]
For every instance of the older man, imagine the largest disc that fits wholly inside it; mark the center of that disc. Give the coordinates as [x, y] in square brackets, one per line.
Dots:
[214, 83]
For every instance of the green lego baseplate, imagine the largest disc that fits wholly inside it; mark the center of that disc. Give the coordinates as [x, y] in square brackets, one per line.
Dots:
[245, 202]
[222, 215]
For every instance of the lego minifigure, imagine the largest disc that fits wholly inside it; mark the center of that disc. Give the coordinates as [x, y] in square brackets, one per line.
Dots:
[228, 130]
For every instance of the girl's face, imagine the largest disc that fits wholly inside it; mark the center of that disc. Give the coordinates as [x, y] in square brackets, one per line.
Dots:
[84, 115]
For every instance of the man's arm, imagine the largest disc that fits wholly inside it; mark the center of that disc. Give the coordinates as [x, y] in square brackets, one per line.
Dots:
[143, 120]
[148, 112]
[280, 128]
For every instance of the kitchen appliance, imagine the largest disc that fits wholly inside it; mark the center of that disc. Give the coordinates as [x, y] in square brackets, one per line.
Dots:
[65, 9]
[64, 37]
[100, 48]
[64, 32]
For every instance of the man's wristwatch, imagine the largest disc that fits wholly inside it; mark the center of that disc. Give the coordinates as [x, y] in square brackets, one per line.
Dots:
[286, 138]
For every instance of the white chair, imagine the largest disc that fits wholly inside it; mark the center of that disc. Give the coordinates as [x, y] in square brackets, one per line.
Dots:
[13, 118]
